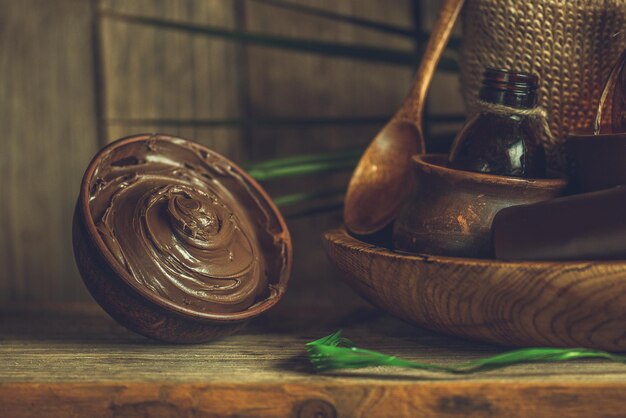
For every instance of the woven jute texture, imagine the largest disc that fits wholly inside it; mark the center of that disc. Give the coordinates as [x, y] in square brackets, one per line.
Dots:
[570, 44]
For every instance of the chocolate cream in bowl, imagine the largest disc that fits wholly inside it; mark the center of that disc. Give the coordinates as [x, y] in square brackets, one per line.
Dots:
[187, 226]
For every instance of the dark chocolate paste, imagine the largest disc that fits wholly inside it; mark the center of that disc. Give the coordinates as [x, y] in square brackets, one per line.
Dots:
[186, 225]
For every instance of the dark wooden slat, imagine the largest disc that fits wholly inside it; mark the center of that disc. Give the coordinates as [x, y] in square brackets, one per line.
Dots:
[405, 31]
[156, 74]
[174, 83]
[349, 51]
[276, 121]
[48, 120]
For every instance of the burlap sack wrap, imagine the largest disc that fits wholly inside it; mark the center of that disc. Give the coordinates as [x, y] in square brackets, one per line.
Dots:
[570, 44]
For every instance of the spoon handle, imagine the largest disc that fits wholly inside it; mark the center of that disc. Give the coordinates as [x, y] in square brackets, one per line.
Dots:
[412, 109]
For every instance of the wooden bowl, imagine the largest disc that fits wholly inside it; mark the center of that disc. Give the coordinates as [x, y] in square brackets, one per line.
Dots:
[137, 305]
[450, 211]
[558, 304]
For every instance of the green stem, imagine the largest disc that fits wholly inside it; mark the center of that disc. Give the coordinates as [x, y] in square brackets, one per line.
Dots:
[334, 352]
[262, 174]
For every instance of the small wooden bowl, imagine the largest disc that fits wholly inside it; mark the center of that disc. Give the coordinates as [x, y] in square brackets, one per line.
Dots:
[558, 304]
[596, 162]
[450, 211]
[144, 311]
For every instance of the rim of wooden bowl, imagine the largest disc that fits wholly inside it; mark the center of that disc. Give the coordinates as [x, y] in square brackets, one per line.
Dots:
[434, 163]
[341, 237]
[250, 312]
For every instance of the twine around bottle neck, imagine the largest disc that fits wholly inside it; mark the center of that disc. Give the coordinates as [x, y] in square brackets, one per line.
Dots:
[536, 115]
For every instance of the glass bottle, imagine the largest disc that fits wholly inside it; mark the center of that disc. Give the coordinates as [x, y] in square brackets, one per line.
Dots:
[501, 142]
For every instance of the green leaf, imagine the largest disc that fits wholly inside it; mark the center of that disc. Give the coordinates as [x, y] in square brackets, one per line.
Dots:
[361, 52]
[334, 352]
[306, 164]
[314, 167]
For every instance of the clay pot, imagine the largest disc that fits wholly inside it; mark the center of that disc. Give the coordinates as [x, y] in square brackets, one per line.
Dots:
[596, 162]
[450, 211]
[145, 311]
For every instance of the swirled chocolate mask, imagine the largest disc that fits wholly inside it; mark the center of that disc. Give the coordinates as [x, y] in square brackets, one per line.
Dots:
[188, 226]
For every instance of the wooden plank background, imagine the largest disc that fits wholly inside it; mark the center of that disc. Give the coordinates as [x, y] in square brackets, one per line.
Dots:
[49, 126]
[74, 75]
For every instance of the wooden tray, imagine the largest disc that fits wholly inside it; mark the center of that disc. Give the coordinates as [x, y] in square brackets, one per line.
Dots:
[560, 304]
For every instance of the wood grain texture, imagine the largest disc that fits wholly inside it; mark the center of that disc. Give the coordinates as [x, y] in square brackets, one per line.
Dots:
[76, 362]
[313, 400]
[152, 75]
[48, 119]
[288, 84]
[569, 304]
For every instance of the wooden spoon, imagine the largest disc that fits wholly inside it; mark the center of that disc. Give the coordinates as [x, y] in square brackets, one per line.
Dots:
[383, 180]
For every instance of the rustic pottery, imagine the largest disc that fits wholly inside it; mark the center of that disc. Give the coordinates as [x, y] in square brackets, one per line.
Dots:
[140, 304]
[450, 211]
[523, 304]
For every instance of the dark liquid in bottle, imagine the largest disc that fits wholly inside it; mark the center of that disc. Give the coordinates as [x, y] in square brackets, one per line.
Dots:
[501, 143]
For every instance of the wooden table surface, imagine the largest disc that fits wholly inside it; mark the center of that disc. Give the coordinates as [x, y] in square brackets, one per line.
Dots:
[74, 361]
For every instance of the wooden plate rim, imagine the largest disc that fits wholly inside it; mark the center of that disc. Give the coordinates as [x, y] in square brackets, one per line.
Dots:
[341, 238]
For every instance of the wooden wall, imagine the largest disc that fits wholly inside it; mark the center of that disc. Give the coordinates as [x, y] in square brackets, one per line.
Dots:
[49, 133]
[76, 74]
